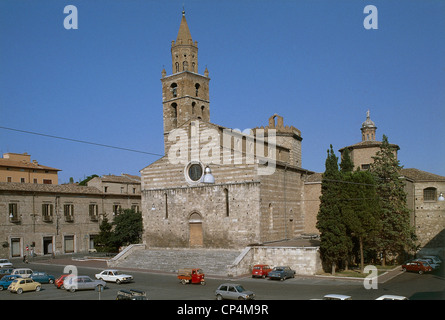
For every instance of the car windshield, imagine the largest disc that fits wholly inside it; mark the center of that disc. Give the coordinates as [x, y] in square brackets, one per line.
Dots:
[240, 288]
[278, 269]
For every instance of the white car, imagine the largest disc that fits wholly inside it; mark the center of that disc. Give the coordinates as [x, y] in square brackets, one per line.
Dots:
[391, 297]
[4, 263]
[336, 297]
[113, 275]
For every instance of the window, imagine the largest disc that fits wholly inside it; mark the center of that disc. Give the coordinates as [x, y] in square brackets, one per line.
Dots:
[175, 110]
[13, 213]
[365, 166]
[93, 210]
[195, 172]
[117, 209]
[174, 89]
[47, 212]
[429, 194]
[166, 205]
[47, 181]
[226, 195]
[196, 89]
[68, 212]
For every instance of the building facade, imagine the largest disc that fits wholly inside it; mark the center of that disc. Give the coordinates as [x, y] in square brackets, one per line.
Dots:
[55, 219]
[424, 193]
[217, 187]
[15, 167]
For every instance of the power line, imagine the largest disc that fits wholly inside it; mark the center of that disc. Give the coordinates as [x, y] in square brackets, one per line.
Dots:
[80, 141]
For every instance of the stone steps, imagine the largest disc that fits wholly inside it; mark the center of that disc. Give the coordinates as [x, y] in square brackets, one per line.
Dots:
[211, 261]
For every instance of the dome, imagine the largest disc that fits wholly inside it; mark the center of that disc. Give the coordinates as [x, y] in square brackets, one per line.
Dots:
[368, 122]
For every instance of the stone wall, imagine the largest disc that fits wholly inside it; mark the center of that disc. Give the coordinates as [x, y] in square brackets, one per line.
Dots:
[304, 260]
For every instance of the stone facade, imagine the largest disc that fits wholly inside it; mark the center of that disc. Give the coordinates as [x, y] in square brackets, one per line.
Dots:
[54, 218]
[258, 180]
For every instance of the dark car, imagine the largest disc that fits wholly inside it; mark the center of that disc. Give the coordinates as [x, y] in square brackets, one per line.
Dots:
[42, 277]
[281, 273]
[417, 266]
[131, 294]
[7, 280]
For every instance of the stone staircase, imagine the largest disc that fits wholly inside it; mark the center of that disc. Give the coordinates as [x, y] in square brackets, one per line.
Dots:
[211, 261]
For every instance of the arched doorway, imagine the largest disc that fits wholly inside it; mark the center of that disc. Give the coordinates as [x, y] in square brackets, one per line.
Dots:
[195, 223]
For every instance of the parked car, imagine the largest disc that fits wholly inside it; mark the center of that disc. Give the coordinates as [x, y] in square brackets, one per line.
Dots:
[7, 280]
[436, 259]
[261, 271]
[24, 272]
[112, 275]
[5, 271]
[59, 281]
[233, 292]
[281, 273]
[430, 262]
[417, 266]
[24, 284]
[42, 277]
[131, 294]
[5, 263]
[74, 283]
[337, 297]
[391, 297]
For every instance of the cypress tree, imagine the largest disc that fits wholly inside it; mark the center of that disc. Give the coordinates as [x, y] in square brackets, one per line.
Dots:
[396, 235]
[334, 242]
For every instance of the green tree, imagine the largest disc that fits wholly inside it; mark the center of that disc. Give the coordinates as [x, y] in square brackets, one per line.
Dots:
[335, 245]
[360, 209]
[127, 228]
[395, 235]
[104, 241]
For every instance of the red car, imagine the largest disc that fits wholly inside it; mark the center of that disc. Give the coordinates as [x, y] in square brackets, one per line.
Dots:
[417, 266]
[261, 270]
[59, 281]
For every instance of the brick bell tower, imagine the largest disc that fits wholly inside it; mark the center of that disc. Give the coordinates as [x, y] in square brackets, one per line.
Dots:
[185, 93]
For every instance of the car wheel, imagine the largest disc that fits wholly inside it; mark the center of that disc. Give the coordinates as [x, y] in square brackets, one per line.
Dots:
[403, 269]
[1, 288]
[72, 289]
[118, 281]
[19, 291]
[51, 281]
[282, 279]
[420, 271]
[219, 297]
[38, 288]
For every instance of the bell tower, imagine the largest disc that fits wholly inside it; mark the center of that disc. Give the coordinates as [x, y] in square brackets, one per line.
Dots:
[185, 93]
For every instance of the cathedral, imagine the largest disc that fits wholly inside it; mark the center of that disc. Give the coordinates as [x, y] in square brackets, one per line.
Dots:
[216, 187]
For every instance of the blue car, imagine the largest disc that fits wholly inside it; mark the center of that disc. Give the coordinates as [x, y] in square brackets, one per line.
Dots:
[42, 277]
[281, 273]
[7, 280]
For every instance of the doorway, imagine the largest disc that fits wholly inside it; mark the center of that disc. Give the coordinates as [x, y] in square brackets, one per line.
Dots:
[47, 245]
[196, 236]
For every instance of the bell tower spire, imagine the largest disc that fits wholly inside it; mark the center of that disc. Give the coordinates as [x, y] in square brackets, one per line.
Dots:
[185, 93]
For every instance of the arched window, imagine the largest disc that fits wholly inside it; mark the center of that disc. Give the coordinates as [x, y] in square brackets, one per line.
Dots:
[174, 89]
[226, 198]
[166, 205]
[193, 107]
[175, 110]
[197, 89]
[429, 194]
[177, 66]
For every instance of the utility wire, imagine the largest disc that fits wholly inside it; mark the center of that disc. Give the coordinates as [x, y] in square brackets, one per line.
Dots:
[80, 141]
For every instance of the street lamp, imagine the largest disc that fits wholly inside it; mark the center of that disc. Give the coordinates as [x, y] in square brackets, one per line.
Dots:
[441, 198]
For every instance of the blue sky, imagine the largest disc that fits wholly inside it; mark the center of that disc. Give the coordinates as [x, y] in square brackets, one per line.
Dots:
[311, 62]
